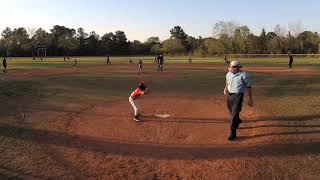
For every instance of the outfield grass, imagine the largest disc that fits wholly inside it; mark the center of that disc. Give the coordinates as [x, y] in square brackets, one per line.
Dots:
[292, 93]
[19, 63]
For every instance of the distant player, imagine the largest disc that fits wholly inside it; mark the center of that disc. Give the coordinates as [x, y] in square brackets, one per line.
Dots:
[108, 60]
[130, 61]
[226, 62]
[160, 62]
[140, 66]
[133, 99]
[190, 60]
[75, 63]
[4, 63]
[290, 61]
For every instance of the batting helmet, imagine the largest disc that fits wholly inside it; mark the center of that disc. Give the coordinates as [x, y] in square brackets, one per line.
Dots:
[142, 86]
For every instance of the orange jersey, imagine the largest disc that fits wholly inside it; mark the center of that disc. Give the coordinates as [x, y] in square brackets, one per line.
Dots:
[136, 93]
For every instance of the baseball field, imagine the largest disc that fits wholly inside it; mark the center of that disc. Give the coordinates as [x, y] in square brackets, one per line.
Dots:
[61, 122]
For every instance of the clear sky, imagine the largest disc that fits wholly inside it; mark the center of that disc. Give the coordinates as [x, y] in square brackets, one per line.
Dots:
[141, 19]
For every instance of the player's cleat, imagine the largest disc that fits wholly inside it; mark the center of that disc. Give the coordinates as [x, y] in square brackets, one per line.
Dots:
[136, 118]
[139, 115]
[231, 138]
[233, 135]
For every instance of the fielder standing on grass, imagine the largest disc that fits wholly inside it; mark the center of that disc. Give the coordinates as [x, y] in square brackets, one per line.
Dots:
[226, 62]
[133, 99]
[140, 66]
[290, 61]
[108, 60]
[4, 63]
[237, 82]
[160, 62]
[75, 63]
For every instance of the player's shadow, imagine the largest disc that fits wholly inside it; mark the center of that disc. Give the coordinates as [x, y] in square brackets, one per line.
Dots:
[293, 133]
[226, 119]
[280, 125]
[184, 120]
[78, 111]
[160, 151]
[285, 118]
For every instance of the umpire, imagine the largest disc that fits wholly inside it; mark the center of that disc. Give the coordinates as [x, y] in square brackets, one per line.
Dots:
[237, 82]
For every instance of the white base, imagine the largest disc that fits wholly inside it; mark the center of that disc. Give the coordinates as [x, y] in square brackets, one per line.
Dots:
[162, 115]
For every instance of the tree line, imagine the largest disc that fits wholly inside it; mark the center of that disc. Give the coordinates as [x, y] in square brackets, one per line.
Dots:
[227, 38]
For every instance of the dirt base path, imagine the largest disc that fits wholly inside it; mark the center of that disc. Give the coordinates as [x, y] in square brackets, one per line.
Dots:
[100, 140]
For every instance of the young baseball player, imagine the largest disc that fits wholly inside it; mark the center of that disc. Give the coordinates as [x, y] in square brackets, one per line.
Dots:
[226, 61]
[133, 99]
[75, 63]
[108, 60]
[160, 62]
[140, 66]
[4, 63]
[290, 61]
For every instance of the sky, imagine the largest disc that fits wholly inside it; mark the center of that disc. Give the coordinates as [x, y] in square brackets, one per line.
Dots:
[141, 19]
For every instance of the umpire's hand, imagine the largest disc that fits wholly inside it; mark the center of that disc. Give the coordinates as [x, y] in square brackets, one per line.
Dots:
[225, 91]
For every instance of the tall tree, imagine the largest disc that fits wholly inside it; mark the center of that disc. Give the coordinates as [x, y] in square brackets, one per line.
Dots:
[107, 43]
[173, 47]
[291, 44]
[7, 41]
[262, 42]
[308, 42]
[93, 44]
[62, 39]
[180, 36]
[121, 43]
[239, 39]
[81, 37]
[223, 28]
[178, 33]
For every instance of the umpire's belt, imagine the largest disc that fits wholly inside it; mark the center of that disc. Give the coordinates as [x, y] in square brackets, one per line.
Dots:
[235, 93]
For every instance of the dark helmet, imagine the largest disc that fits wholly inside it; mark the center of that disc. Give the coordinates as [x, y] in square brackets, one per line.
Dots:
[142, 86]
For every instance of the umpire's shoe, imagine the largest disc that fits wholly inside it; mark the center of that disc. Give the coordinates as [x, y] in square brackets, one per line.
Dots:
[233, 135]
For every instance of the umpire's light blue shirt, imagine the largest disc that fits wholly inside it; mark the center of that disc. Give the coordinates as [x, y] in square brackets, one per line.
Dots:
[238, 83]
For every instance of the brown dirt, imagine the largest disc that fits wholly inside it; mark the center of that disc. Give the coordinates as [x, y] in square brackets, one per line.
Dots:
[148, 72]
[100, 140]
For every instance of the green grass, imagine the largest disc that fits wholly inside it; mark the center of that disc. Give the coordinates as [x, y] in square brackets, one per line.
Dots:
[24, 63]
[274, 93]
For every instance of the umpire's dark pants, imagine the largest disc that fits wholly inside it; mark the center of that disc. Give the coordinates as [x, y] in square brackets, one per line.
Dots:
[234, 102]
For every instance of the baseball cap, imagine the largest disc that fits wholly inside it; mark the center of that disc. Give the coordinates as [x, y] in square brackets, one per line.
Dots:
[235, 64]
